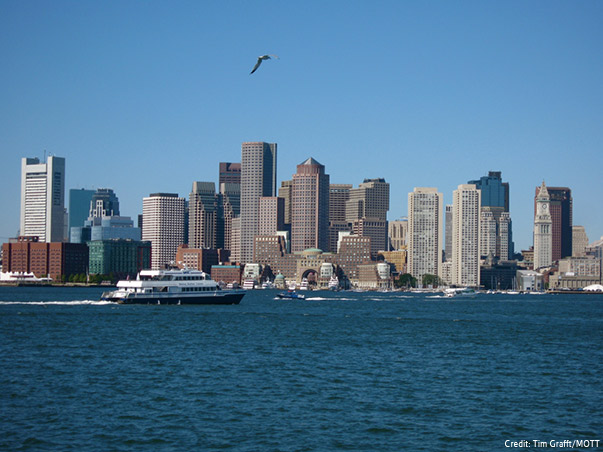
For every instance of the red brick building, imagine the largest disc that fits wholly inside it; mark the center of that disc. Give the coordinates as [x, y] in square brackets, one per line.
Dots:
[42, 259]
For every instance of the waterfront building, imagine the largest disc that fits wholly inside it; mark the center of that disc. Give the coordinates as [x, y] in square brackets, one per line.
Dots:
[498, 275]
[560, 211]
[310, 207]
[396, 258]
[398, 234]
[197, 258]
[529, 280]
[425, 209]
[227, 274]
[43, 199]
[354, 250]
[57, 260]
[79, 206]
[121, 257]
[576, 273]
[543, 236]
[203, 215]
[465, 235]
[376, 229]
[579, 241]
[230, 173]
[258, 179]
[163, 225]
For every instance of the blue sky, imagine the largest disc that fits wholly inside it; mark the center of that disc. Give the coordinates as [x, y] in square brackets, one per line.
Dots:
[149, 96]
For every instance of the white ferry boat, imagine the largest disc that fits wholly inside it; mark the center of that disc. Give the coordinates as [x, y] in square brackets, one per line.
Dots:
[460, 292]
[172, 287]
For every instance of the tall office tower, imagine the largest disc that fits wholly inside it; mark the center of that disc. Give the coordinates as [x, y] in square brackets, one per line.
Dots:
[272, 215]
[339, 194]
[43, 199]
[163, 226]
[425, 230]
[235, 240]
[79, 206]
[230, 173]
[285, 191]
[203, 216]
[104, 203]
[370, 203]
[579, 241]
[465, 235]
[398, 234]
[448, 239]
[495, 200]
[543, 230]
[258, 178]
[495, 228]
[310, 207]
[231, 208]
[560, 210]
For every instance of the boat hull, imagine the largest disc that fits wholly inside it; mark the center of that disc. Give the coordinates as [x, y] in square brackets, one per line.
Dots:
[218, 297]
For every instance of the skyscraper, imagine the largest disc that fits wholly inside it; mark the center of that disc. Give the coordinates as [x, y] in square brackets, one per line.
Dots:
[425, 231]
[496, 229]
[230, 173]
[543, 234]
[79, 206]
[465, 235]
[203, 216]
[366, 210]
[448, 238]
[339, 194]
[258, 179]
[230, 195]
[310, 207]
[43, 199]
[163, 226]
[560, 209]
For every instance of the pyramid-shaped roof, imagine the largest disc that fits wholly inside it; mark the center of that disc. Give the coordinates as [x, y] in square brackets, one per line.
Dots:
[310, 161]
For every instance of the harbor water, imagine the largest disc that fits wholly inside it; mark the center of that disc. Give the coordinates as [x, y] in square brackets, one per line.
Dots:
[336, 371]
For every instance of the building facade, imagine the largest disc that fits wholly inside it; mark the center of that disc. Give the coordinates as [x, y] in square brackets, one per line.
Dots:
[310, 207]
[561, 212]
[163, 225]
[579, 241]
[43, 199]
[258, 179]
[466, 216]
[203, 215]
[543, 230]
[425, 209]
[121, 257]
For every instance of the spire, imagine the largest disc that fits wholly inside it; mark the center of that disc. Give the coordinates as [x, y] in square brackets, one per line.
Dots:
[543, 192]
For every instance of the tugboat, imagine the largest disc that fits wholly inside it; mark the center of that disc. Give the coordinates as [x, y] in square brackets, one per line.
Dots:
[172, 287]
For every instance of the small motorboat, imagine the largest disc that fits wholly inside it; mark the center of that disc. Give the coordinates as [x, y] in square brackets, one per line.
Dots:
[290, 294]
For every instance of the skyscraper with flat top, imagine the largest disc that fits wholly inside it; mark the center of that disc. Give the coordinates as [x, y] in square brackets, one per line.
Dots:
[465, 235]
[425, 232]
[310, 207]
[258, 179]
[43, 199]
[163, 226]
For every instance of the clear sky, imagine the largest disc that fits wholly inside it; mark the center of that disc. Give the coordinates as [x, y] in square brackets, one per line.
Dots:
[149, 96]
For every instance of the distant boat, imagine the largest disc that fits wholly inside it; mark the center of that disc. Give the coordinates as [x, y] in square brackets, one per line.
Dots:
[333, 283]
[304, 284]
[291, 294]
[460, 292]
[267, 285]
[248, 284]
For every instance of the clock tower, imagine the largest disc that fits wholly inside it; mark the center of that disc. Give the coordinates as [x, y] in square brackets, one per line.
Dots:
[543, 232]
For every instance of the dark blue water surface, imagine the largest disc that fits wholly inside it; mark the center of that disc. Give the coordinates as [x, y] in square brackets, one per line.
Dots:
[338, 371]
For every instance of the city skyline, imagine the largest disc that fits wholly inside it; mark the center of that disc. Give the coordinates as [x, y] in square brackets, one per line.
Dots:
[420, 95]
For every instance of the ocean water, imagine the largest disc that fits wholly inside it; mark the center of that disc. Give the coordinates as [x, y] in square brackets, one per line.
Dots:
[338, 371]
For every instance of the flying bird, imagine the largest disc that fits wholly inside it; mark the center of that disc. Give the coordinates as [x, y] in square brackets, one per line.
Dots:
[260, 59]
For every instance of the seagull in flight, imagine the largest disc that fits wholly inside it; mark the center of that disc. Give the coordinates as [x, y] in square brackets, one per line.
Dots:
[260, 59]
